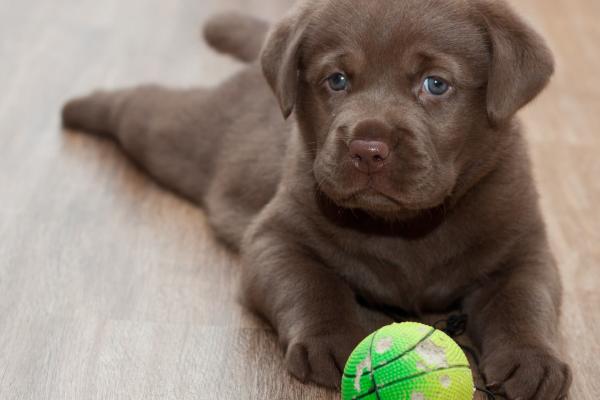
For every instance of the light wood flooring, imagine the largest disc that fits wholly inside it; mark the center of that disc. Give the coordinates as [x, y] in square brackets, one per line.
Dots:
[113, 288]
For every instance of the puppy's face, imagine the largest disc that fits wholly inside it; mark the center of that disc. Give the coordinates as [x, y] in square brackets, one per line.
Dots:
[389, 95]
[396, 100]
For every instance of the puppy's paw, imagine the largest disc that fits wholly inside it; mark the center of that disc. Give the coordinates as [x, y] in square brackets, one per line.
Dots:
[321, 358]
[527, 373]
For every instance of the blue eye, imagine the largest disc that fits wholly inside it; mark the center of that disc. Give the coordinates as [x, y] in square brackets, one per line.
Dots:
[435, 85]
[338, 82]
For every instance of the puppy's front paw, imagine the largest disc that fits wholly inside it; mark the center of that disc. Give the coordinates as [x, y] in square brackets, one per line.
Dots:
[528, 373]
[321, 358]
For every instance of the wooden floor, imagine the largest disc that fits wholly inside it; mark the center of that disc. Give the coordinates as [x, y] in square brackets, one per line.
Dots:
[112, 288]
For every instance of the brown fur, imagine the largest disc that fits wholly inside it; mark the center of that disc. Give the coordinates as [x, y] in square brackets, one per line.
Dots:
[451, 218]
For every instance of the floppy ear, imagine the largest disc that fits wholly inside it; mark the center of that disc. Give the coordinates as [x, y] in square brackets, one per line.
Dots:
[280, 58]
[521, 63]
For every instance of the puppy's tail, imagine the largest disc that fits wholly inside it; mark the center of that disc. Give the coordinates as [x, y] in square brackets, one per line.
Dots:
[239, 35]
[97, 113]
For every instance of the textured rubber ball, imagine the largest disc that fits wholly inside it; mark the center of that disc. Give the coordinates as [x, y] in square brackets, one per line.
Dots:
[408, 361]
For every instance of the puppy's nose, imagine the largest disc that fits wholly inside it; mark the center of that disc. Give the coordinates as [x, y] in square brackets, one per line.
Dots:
[368, 156]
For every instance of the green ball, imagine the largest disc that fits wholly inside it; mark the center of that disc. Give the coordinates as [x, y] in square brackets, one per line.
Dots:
[408, 361]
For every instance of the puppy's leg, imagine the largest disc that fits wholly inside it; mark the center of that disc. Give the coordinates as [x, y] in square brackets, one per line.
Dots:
[313, 310]
[514, 320]
[236, 34]
[97, 113]
[171, 134]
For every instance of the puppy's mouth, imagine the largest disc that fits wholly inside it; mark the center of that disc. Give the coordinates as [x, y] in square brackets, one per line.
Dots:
[377, 200]
[369, 196]
[393, 219]
[370, 192]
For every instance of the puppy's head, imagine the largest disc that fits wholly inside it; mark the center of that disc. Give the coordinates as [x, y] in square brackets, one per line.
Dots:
[399, 102]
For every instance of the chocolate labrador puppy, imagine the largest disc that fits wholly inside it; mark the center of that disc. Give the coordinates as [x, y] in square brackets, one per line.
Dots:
[402, 178]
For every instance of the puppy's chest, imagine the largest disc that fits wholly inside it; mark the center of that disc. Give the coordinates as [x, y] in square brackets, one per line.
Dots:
[414, 276]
